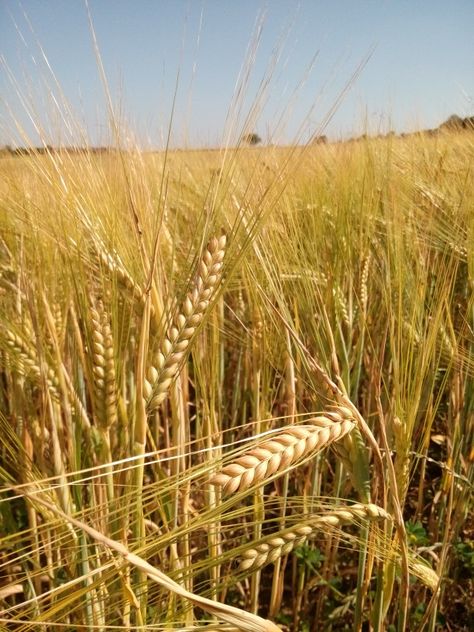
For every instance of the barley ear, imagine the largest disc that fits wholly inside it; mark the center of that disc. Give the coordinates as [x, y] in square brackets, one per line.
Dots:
[426, 574]
[284, 542]
[26, 361]
[176, 342]
[286, 448]
[105, 395]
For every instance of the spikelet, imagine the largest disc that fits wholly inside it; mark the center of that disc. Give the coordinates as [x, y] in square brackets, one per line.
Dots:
[174, 347]
[286, 448]
[283, 543]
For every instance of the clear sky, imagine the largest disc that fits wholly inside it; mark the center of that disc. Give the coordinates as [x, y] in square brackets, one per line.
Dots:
[420, 68]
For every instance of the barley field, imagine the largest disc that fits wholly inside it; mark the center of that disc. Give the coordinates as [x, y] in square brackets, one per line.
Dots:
[236, 387]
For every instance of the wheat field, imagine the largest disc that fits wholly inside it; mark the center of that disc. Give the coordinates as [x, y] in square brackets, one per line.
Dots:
[237, 387]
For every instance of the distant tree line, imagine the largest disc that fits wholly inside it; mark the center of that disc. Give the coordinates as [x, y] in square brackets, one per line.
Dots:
[456, 122]
[7, 150]
[453, 123]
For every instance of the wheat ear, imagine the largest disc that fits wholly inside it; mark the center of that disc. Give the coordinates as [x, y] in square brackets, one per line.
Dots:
[426, 574]
[173, 349]
[128, 287]
[27, 361]
[124, 279]
[105, 395]
[287, 447]
[282, 543]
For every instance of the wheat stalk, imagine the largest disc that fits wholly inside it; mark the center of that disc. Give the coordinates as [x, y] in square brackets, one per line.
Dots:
[173, 349]
[287, 447]
[283, 543]
[243, 621]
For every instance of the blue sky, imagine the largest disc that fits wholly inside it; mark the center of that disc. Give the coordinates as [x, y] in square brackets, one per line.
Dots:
[419, 71]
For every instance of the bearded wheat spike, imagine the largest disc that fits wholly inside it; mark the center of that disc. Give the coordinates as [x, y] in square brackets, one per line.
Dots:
[27, 361]
[103, 366]
[283, 543]
[274, 548]
[124, 278]
[286, 447]
[364, 284]
[174, 346]
[426, 574]
[125, 282]
[341, 305]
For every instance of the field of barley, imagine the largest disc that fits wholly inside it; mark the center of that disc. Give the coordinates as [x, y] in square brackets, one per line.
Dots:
[237, 388]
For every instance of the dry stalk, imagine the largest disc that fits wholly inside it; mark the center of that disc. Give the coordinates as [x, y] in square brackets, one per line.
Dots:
[243, 621]
[283, 543]
[285, 449]
[175, 344]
